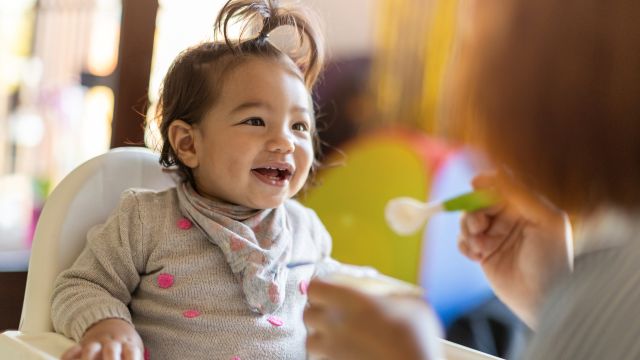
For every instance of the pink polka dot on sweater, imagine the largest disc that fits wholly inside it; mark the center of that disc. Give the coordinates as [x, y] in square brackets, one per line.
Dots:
[184, 224]
[236, 358]
[165, 280]
[275, 321]
[190, 314]
[303, 286]
[146, 355]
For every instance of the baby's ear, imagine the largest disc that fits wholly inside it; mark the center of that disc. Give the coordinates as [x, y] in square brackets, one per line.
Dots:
[182, 138]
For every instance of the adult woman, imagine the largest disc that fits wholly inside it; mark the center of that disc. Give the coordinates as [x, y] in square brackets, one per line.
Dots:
[552, 89]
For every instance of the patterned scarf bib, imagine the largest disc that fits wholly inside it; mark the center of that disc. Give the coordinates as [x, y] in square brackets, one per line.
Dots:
[255, 243]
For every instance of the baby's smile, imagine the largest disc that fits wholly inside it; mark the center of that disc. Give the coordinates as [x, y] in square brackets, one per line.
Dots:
[275, 174]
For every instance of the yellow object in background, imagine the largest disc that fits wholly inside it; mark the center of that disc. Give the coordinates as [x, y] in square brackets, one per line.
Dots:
[413, 46]
[351, 199]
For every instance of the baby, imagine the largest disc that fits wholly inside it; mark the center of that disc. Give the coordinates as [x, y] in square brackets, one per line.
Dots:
[200, 270]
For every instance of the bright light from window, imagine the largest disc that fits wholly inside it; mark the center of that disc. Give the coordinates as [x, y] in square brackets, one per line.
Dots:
[15, 40]
[105, 36]
[26, 127]
[180, 24]
[96, 125]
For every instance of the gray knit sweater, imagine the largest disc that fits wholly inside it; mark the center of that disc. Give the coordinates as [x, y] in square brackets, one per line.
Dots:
[176, 287]
[592, 314]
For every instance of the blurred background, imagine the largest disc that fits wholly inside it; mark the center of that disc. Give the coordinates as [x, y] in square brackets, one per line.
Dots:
[77, 77]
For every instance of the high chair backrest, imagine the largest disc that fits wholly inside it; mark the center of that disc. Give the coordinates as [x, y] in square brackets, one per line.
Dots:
[83, 199]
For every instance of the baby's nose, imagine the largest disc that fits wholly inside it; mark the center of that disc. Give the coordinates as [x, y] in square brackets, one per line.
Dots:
[282, 143]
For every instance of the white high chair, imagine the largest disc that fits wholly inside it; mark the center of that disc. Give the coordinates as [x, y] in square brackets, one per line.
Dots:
[83, 199]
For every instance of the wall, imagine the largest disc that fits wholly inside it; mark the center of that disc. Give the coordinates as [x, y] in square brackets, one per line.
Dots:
[349, 29]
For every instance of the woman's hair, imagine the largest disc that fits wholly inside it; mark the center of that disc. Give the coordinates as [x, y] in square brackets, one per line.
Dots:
[194, 81]
[552, 91]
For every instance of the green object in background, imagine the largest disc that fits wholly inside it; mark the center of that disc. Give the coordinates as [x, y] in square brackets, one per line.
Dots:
[350, 201]
[41, 189]
[471, 201]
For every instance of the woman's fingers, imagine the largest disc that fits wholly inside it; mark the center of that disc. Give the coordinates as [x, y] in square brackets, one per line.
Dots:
[91, 351]
[333, 305]
[476, 223]
[131, 352]
[320, 319]
[317, 344]
[107, 350]
[481, 234]
[485, 180]
[531, 206]
[72, 353]
[324, 317]
[323, 293]
[347, 324]
[111, 350]
[465, 249]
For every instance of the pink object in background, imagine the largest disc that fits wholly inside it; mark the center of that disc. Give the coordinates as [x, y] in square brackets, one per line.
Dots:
[35, 215]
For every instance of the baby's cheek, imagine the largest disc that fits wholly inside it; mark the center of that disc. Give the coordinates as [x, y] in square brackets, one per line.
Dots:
[298, 182]
[304, 159]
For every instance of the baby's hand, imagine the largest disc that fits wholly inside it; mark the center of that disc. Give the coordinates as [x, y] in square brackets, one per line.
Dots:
[109, 339]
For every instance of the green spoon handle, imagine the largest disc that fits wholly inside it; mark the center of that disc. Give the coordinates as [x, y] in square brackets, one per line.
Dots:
[471, 201]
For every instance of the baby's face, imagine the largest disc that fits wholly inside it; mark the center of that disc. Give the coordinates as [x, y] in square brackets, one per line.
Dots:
[254, 148]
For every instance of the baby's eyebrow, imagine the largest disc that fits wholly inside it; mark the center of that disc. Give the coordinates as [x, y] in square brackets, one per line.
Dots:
[251, 104]
[302, 109]
[260, 104]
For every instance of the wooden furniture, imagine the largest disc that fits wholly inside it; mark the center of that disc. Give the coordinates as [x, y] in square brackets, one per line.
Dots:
[13, 285]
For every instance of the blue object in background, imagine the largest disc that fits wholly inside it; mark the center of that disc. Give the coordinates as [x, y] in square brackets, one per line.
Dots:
[14, 260]
[454, 284]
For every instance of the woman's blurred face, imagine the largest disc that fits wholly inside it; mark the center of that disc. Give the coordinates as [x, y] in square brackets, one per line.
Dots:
[550, 89]
[482, 22]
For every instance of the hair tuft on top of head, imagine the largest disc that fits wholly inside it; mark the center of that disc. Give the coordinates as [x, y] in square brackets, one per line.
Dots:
[260, 18]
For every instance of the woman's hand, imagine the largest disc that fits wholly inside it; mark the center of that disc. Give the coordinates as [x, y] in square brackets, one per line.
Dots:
[109, 339]
[344, 323]
[521, 244]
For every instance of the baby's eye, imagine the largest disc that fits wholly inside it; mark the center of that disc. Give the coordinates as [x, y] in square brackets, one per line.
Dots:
[300, 126]
[254, 121]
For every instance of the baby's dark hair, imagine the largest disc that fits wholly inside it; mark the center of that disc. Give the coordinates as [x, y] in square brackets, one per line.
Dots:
[194, 81]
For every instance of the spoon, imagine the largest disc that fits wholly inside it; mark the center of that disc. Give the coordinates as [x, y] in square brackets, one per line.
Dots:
[406, 215]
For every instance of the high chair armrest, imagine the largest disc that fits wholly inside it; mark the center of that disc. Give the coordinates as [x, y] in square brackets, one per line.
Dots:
[50, 346]
[39, 346]
[453, 351]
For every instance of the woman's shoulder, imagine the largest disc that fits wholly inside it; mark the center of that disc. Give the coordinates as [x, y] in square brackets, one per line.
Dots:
[592, 314]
